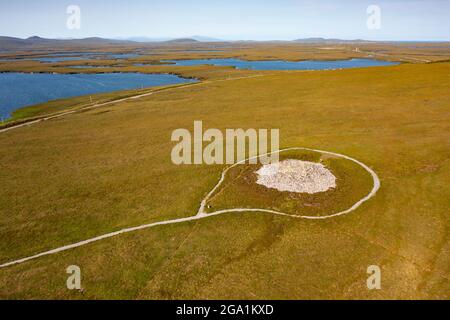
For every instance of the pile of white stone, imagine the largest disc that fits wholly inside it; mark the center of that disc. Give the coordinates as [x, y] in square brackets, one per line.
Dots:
[296, 176]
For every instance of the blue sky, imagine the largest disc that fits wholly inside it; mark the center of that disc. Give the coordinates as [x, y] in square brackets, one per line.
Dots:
[228, 19]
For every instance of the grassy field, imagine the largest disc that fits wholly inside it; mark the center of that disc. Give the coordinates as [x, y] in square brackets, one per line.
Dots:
[81, 103]
[153, 53]
[240, 189]
[101, 170]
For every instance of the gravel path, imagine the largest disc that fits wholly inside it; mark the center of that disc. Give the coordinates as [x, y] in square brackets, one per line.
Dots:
[201, 214]
[98, 105]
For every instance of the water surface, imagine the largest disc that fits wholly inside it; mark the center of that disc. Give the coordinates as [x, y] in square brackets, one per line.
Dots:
[24, 89]
[285, 65]
[75, 56]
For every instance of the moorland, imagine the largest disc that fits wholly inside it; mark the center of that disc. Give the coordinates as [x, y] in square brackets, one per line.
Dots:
[103, 164]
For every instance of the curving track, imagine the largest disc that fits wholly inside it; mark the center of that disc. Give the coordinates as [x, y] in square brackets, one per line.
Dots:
[201, 214]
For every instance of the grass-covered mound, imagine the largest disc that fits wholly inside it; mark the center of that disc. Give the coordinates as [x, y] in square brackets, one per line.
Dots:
[241, 190]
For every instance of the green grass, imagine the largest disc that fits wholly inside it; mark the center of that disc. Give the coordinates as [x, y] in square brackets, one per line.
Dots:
[79, 103]
[240, 190]
[94, 172]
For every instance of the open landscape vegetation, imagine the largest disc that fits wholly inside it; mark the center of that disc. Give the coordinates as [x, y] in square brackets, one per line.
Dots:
[76, 168]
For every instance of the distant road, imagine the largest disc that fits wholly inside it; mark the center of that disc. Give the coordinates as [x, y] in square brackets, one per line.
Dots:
[387, 55]
[66, 113]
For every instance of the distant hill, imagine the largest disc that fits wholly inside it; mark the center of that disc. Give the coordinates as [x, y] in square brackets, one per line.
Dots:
[325, 40]
[166, 39]
[143, 39]
[6, 42]
[206, 39]
[11, 43]
[183, 40]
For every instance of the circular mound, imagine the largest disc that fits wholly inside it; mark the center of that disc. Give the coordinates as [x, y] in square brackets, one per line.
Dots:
[296, 176]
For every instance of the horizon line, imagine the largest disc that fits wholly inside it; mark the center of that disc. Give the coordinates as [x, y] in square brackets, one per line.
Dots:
[218, 39]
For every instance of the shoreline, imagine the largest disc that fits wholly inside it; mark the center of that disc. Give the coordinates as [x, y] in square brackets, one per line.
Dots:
[11, 117]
